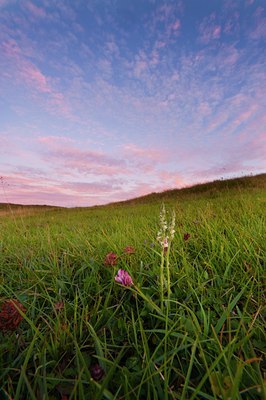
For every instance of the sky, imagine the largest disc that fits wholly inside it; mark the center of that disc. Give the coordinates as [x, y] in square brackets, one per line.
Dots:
[106, 100]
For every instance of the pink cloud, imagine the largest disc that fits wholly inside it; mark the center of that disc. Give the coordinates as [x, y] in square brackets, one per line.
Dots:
[240, 154]
[217, 120]
[133, 151]
[112, 47]
[176, 25]
[229, 55]
[164, 12]
[164, 17]
[68, 157]
[216, 32]
[13, 146]
[140, 66]
[145, 188]
[160, 44]
[204, 108]
[11, 49]
[6, 2]
[25, 190]
[32, 75]
[25, 73]
[38, 189]
[171, 179]
[141, 164]
[241, 108]
[147, 161]
[55, 140]
[259, 12]
[209, 29]
[257, 126]
[246, 114]
[95, 187]
[139, 189]
[259, 31]
[35, 10]
[7, 145]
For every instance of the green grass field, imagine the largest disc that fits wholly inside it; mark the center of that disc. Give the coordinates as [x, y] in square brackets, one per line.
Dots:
[192, 326]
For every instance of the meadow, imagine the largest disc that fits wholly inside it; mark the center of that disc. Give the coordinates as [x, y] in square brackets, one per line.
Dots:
[187, 323]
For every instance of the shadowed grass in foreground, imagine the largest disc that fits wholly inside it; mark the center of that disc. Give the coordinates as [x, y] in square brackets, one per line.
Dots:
[190, 325]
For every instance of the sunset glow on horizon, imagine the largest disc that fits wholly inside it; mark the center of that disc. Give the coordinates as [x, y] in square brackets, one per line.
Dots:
[103, 101]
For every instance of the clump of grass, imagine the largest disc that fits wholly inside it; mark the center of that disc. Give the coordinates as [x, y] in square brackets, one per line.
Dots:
[190, 325]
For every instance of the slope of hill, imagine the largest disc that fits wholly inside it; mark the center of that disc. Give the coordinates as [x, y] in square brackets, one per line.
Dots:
[209, 189]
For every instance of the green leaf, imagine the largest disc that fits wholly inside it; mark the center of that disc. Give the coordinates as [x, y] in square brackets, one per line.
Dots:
[229, 309]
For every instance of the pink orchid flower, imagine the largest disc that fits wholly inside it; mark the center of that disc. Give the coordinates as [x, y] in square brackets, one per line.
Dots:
[124, 278]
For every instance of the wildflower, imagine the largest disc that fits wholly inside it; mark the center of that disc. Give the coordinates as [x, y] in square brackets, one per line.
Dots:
[186, 236]
[163, 226]
[10, 317]
[124, 278]
[167, 230]
[165, 246]
[59, 305]
[172, 227]
[129, 250]
[110, 259]
[96, 372]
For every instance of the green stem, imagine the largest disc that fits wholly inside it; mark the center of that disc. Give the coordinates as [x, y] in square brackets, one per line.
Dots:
[168, 273]
[148, 300]
[162, 278]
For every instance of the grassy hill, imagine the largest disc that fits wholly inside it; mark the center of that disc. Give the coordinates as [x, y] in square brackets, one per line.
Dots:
[191, 324]
[209, 189]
